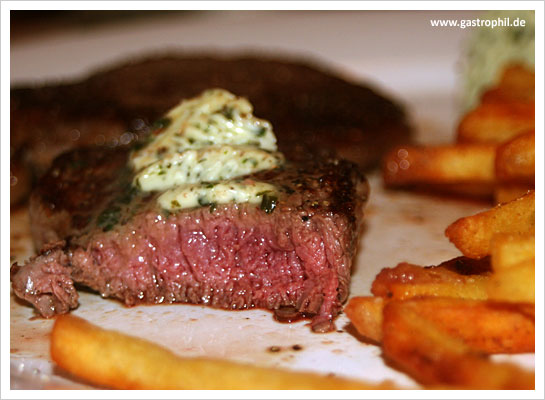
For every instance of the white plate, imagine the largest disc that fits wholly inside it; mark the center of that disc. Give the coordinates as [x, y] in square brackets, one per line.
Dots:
[396, 51]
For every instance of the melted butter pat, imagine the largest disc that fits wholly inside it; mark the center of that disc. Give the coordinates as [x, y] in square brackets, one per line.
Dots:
[209, 141]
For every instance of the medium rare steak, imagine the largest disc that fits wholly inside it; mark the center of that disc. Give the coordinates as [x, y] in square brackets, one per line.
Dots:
[292, 253]
[305, 103]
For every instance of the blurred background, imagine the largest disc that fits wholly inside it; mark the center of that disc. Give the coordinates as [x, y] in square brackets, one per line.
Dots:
[397, 52]
[387, 46]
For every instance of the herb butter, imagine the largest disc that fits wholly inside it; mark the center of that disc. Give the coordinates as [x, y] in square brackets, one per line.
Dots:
[206, 164]
[211, 194]
[199, 149]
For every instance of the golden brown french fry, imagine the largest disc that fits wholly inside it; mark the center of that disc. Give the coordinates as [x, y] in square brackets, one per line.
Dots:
[476, 190]
[515, 284]
[455, 164]
[505, 192]
[496, 122]
[484, 326]
[528, 309]
[517, 84]
[515, 159]
[365, 313]
[428, 354]
[406, 280]
[507, 250]
[518, 77]
[499, 94]
[118, 361]
[472, 235]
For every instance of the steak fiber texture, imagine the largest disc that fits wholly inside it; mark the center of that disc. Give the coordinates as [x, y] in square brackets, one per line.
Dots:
[306, 103]
[95, 229]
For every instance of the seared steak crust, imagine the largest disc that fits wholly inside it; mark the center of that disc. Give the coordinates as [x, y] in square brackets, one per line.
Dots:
[233, 256]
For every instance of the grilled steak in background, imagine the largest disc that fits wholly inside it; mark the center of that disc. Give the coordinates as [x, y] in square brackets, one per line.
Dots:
[305, 103]
[100, 232]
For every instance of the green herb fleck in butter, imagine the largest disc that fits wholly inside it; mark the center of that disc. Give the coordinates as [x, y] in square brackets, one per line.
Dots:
[208, 141]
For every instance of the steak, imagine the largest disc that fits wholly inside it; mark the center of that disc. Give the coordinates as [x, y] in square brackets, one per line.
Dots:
[292, 254]
[305, 103]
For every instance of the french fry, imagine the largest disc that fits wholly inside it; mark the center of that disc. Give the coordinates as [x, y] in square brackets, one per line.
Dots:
[484, 326]
[517, 84]
[476, 190]
[438, 322]
[505, 192]
[515, 284]
[528, 309]
[118, 361]
[496, 122]
[365, 313]
[467, 266]
[518, 77]
[513, 264]
[455, 164]
[472, 235]
[507, 250]
[407, 280]
[515, 159]
[433, 357]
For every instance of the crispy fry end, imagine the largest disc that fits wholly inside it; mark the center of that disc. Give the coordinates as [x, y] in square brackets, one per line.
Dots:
[472, 235]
